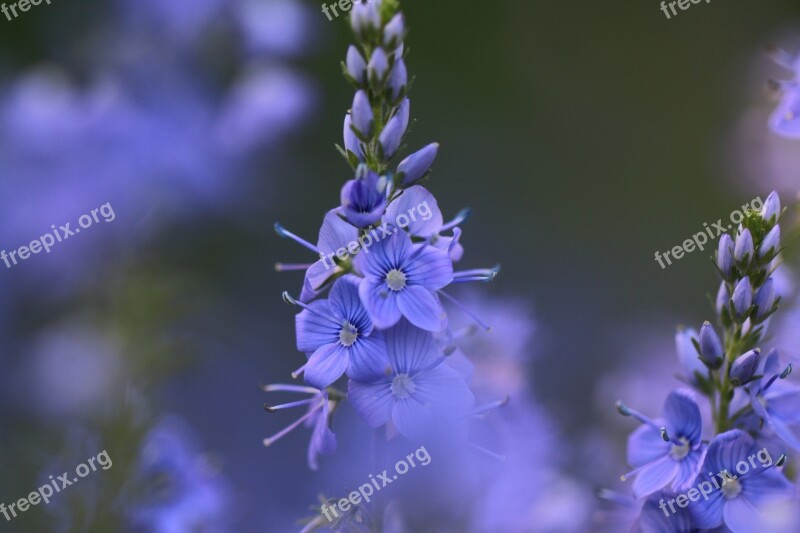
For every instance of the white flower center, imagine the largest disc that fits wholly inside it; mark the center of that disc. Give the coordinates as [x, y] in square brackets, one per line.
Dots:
[348, 334]
[680, 451]
[732, 488]
[396, 280]
[402, 386]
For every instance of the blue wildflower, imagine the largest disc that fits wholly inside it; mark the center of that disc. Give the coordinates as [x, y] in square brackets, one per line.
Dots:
[776, 403]
[401, 279]
[336, 334]
[737, 502]
[666, 451]
[364, 198]
[414, 389]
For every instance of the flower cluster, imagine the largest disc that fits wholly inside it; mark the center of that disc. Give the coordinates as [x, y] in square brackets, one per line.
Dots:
[752, 407]
[786, 118]
[373, 311]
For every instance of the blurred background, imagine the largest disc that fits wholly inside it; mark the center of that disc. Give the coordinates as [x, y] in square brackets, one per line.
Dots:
[584, 136]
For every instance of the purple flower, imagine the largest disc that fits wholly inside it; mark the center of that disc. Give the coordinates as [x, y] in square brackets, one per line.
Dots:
[337, 336]
[711, 351]
[742, 297]
[362, 113]
[320, 407]
[401, 279]
[737, 502]
[745, 366]
[776, 403]
[414, 167]
[764, 300]
[414, 389]
[667, 451]
[364, 198]
[656, 517]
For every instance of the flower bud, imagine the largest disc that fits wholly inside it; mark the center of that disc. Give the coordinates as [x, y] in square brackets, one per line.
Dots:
[378, 65]
[362, 113]
[414, 167]
[687, 354]
[764, 300]
[711, 351]
[743, 250]
[394, 32]
[724, 255]
[404, 112]
[365, 17]
[356, 66]
[392, 136]
[398, 79]
[772, 208]
[745, 366]
[742, 297]
[351, 142]
[771, 242]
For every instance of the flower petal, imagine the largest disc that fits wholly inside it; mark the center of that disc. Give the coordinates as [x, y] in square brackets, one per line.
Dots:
[410, 348]
[645, 445]
[413, 419]
[316, 327]
[422, 308]
[430, 267]
[326, 365]
[655, 476]
[444, 390]
[335, 233]
[380, 303]
[372, 401]
[707, 513]
[345, 303]
[368, 358]
[420, 208]
[683, 417]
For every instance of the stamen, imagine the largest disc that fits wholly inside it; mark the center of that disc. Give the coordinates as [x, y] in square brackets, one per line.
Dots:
[283, 232]
[454, 240]
[273, 408]
[478, 274]
[281, 387]
[271, 440]
[299, 371]
[463, 332]
[626, 477]
[624, 410]
[469, 313]
[665, 435]
[293, 301]
[489, 406]
[287, 267]
[460, 217]
[494, 455]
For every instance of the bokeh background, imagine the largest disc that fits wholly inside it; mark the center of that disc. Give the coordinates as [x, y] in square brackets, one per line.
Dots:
[584, 135]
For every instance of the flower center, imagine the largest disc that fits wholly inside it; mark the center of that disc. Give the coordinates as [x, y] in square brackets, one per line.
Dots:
[348, 334]
[680, 451]
[396, 280]
[402, 386]
[732, 488]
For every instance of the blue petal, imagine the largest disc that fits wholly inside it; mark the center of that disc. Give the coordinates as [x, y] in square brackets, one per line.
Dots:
[326, 365]
[380, 302]
[346, 303]
[707, 514]
[431, 268]
[683, 416]
[368, 358]
[726, 450]
[689, 469]
[422, 308]
[445, 391]
[372, 401]
[655, 476]
[316, 277]
[335, 233]
[687, 354]
[410, 348]
[413, 419]
[783, 401]
[316, 327]
[408, 205]
[653, 519]
[765, 487]
[385, 255]
[645, 445]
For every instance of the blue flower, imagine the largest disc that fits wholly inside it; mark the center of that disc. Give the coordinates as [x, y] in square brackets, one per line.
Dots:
[364, 198]
[776, 403]
[656, 517]
[745, 366]
[667, 451]
[414, 388]
[401, 279]
[737, 502]
[337, 335]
